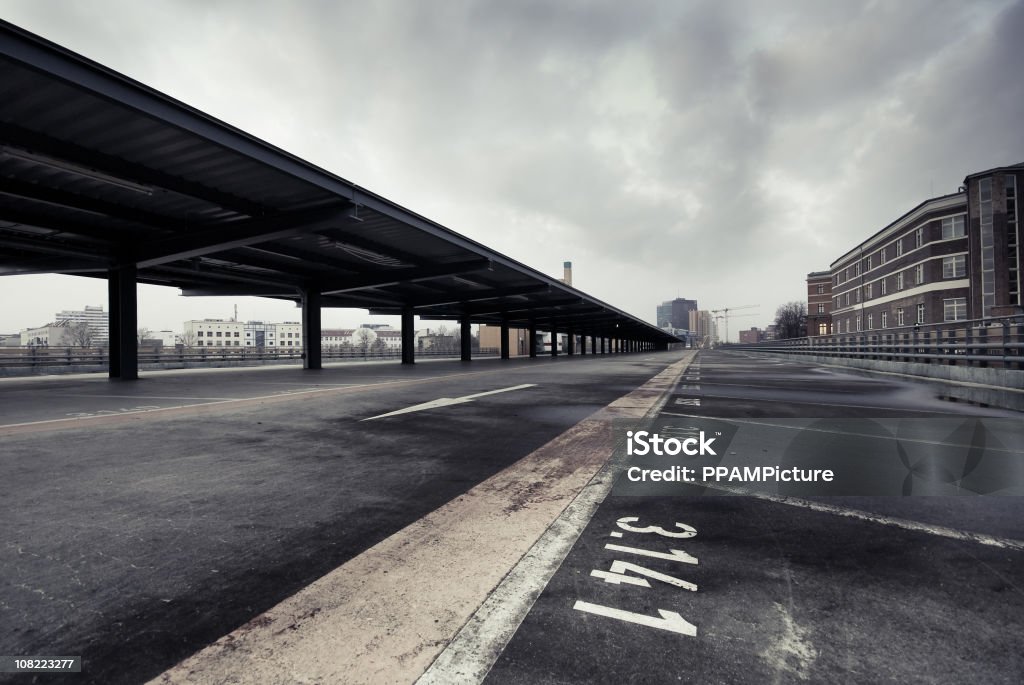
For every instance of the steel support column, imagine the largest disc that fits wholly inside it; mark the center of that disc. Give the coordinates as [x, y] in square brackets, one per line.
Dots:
[505, 353]
[531, 344]
[554, 339]
[408, 336]
[571, 343]
[466, 339]
[122, 322]
[311, 329]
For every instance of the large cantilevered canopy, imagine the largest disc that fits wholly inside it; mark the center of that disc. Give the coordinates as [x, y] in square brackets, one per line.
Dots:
[100, 174]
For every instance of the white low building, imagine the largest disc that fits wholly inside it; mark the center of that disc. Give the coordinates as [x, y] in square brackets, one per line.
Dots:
[213, 333]
[50, 335]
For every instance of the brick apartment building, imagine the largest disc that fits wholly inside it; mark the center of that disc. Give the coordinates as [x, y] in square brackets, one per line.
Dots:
[951, 258]
[819, 303]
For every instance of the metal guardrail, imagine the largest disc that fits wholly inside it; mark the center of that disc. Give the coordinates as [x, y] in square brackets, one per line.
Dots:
[982, 343]
[55, 359]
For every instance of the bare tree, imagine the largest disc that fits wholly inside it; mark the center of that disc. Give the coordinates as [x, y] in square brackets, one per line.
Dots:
[81, 334]
[187, 339]
[143, 333]
[363, 338]
[791, 320]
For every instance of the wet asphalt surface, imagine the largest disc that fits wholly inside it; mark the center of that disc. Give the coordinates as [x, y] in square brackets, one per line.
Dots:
[135, 534]
[768, 592]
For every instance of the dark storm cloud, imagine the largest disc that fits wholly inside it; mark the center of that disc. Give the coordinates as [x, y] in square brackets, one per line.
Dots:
[690, 146]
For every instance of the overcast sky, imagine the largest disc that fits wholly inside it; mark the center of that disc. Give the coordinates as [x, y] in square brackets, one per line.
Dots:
[711, 150]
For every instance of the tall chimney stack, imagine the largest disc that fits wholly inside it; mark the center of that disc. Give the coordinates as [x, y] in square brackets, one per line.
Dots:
[567, 275]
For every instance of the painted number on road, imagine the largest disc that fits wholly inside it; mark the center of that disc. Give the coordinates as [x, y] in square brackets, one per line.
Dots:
[619, 574]
[669, 620]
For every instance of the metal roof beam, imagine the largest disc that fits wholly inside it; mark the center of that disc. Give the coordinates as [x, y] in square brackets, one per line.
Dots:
[220, 238]
[83, 203]
[400, 276]
[372, 245]
[236, 291]
[464, 299]
[115, 166]
[53, 265]
[103, 234]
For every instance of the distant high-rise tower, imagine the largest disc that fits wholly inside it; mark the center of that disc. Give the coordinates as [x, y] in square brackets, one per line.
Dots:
[676, 313]
[94, 317]
[567, 273]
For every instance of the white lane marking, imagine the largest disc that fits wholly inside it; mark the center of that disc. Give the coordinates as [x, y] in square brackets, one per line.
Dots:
[906, 524]
[152, 397]
[449, 401]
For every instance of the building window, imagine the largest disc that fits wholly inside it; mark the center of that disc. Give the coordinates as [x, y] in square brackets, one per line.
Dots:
[857, 294]
[986, 235]
[953, 227]
[919, 274]
[899, 316]
[954, 267]
[847, 299]
[919, 237]
[883, 288]
[236, 334]
[867, 291]
[858, 323]
[218, 334]
[899, 247]
[821, 308]
[871, 321]
[821, 290]
[954, 309]
[199, 334]
[868, 267]
[920, 313]
[899, 281]
[885, 319]
[881, 256]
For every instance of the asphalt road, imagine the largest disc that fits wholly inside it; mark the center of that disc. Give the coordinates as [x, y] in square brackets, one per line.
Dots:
[144, 520]
[783, 588]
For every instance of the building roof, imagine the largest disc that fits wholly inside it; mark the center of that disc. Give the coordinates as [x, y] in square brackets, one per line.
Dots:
[940, 202]
[101, 171]
[1019, 167]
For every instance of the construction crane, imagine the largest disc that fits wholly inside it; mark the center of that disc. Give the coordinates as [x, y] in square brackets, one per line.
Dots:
[724, 311]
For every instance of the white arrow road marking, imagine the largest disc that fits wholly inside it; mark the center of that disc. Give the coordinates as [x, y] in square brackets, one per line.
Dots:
[448, 401]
